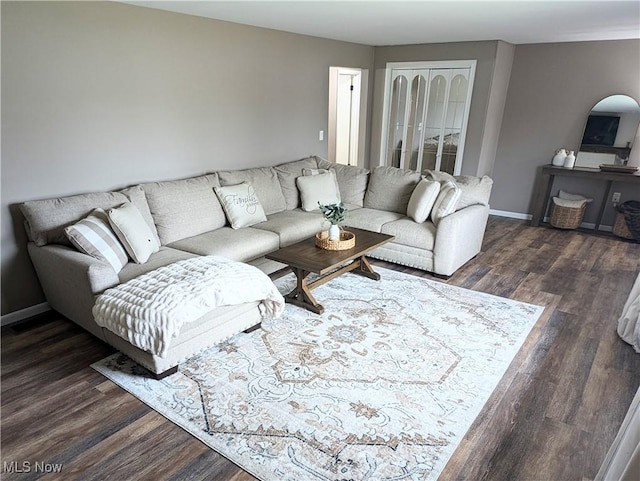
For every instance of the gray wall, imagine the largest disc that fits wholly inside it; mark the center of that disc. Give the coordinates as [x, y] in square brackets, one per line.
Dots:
[495, 107]
[97, 96]
[487, 101]
[552, 90]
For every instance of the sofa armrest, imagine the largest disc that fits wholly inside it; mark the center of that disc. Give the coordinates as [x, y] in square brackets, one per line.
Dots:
[71, 280]
[459, 238]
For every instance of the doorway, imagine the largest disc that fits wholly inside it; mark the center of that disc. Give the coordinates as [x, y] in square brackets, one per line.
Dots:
[345, 91]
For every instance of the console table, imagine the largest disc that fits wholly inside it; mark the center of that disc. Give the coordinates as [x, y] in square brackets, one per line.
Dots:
[544, 184]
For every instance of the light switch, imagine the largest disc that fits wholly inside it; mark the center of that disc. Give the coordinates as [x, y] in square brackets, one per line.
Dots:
[321, 135]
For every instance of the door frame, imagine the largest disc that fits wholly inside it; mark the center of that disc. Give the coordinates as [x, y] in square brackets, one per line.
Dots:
[359, 135]
[445, 64]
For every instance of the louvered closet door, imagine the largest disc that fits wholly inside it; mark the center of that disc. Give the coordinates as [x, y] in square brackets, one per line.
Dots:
[428, 110]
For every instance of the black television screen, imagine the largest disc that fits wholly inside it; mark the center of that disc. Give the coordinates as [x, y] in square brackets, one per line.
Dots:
[601, 130]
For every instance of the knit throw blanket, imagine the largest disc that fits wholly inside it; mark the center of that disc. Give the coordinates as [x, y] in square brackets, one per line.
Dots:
[150, 310]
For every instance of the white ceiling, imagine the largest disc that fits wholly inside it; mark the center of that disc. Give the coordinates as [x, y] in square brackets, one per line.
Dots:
[410, 22]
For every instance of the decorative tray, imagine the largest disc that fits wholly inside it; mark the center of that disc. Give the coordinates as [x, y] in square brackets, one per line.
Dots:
[623, 169]
[347, 241]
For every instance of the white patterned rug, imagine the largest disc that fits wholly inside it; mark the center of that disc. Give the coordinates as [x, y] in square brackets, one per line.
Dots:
[382, 386]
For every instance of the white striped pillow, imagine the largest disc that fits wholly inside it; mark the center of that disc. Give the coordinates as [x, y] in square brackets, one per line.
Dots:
[93, 235]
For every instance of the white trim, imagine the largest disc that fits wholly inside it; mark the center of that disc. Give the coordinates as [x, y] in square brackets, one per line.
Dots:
[23, 314]
[511, 215]
[430, 64]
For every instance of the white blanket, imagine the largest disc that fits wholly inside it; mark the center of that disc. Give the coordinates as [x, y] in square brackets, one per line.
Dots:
[150, 310]
[629, 322]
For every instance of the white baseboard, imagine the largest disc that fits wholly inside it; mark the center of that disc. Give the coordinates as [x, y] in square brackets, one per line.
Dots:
[23, 314]
[511, 215]
[518, 215]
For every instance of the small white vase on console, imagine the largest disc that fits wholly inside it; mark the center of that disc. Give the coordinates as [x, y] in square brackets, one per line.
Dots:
[570, 160]
[558, 159]
[334, 232]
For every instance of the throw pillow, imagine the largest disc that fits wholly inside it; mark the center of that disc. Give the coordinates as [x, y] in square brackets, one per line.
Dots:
[422, 200]
[241, 205]
[133, 231]
[446, 202]
[93, 236]
[320, 188]
[324, 171]
[265, 183]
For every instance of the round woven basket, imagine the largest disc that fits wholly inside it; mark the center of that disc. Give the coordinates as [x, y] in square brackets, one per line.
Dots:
[566, 217]
[347, 241]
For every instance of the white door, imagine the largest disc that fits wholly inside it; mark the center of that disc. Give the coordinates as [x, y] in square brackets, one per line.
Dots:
[425, 115]
[346, 127]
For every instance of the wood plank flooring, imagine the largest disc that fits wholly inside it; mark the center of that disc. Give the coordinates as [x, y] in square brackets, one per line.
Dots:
[552, 417]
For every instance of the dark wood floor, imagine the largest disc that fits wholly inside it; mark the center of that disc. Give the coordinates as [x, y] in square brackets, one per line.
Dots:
[552, 417]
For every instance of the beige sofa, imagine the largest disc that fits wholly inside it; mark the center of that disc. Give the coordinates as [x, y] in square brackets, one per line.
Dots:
[187, 218]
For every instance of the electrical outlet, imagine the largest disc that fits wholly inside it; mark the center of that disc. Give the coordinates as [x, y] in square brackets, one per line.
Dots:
[321, 135]
[615, 198]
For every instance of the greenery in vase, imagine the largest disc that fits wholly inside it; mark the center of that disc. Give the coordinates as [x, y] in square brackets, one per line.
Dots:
[334, 213]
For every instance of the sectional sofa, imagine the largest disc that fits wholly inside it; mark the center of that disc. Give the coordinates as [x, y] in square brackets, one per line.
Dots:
[186, 219]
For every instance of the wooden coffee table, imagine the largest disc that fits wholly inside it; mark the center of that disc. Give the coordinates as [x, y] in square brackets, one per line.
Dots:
[305, 258]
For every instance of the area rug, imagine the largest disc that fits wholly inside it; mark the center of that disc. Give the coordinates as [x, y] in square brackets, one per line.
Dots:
[382, 386]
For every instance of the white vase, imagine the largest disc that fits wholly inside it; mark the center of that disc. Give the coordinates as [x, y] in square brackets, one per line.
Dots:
[570, 160]
[334, 232]
[558, 159]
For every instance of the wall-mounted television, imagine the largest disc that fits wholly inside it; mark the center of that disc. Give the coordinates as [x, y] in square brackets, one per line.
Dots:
[601, 130]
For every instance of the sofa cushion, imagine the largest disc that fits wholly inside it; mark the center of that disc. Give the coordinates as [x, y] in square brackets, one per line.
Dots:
[438, 175]
[133, 232]
[238, 245]
[164, 257]
[184, 208]
[352, 181]
[447, 201]
[390, 189]
[264, 180]
[46, 219]
[411, 233]
[370, 219]
[318, 189]
[287, 175]
[241, 205]
[93, 236]
[422, 200]
[475, 190]
[293, 225]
